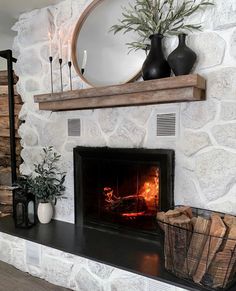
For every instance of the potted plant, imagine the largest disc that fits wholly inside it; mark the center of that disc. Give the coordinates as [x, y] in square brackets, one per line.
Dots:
[47, 183]
[152, 20]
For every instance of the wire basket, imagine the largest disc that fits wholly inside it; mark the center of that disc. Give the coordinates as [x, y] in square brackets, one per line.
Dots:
[194, 254]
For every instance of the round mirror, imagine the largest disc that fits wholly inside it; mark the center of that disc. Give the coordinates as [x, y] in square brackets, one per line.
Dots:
[100, 57]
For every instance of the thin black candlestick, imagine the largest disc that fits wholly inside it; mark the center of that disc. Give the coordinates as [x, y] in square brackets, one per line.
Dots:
[60, 62]
[69, 65]
[50, 60]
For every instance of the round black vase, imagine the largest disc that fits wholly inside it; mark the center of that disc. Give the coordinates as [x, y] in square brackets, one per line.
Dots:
[182, 59]
[155, 65]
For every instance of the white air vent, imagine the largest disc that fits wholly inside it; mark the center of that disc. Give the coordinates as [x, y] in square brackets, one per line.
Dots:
[33, 254]
[166, 124]
[74, 127]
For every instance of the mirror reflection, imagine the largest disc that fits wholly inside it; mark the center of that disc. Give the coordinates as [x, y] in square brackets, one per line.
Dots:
[100, 56]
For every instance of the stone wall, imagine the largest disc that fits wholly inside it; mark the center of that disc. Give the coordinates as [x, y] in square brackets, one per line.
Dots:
[71, 271]
[206, 143]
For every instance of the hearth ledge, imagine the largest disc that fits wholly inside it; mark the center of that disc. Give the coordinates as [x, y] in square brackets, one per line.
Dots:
[137, 256]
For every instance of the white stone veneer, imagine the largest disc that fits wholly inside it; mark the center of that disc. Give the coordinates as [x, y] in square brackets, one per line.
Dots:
[205, 146]
[73, 272]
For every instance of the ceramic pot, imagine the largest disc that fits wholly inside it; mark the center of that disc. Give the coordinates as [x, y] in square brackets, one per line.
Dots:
[182, 59]
[156, 65]
[45, 212]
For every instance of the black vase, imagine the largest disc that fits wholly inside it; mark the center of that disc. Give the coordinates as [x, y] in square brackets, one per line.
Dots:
[182, 59]
[155, 65]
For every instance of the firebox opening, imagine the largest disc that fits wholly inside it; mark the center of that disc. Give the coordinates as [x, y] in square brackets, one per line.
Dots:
[122, 188]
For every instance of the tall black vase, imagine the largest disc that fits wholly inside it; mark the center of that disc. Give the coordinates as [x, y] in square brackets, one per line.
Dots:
[155, 65]
[182, 59]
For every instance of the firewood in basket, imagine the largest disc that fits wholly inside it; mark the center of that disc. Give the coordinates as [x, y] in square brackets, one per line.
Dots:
[179, 236]
[193, 221]
[212, 245]
[222, 266]
[167, 244]
[185, 210]
[181, 221]
[161, 218]
[229, 220]
[198, 240]
[172, 213]
[216, 274]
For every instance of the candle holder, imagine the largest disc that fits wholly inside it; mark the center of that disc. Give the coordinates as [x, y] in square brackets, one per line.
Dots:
[69, 66]
[60, 63]
[50, 60]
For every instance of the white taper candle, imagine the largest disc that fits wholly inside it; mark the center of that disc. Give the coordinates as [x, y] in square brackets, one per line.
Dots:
[60, 45]
[69, 50]
[50, 44]
[84, 62]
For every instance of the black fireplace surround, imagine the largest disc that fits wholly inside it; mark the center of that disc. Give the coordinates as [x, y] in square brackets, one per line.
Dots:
[122, 189]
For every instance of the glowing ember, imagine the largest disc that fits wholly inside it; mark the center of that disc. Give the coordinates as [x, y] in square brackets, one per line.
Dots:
[133, 214]
[142, 203]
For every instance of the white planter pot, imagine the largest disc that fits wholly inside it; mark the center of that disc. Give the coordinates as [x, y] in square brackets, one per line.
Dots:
[45, 212]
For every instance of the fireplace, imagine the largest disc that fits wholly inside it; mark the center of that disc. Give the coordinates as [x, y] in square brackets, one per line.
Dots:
[122, 189]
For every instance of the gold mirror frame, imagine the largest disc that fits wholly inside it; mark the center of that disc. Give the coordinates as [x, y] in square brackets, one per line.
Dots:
[75, 37]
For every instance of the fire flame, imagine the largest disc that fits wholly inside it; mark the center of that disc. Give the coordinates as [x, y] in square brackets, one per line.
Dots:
[148, 196]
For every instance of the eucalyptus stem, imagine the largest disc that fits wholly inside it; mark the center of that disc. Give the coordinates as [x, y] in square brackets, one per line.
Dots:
[167, 17]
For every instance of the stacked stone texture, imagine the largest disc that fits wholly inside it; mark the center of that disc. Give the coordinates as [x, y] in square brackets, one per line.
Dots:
[206, 142]
[73, 272]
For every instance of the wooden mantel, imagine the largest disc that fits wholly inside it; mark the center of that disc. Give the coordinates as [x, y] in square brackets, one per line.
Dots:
[175, 89]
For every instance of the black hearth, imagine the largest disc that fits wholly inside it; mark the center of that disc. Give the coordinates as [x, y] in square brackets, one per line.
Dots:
[122, 189]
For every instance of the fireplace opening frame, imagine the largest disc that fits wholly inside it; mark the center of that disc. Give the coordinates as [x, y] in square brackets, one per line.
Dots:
[165, 159]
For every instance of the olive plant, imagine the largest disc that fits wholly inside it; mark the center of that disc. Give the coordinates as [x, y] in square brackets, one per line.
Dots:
[47, 181]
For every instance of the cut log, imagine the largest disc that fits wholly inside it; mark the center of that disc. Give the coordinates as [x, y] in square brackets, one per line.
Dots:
[4, 89]
[4, 78]
[5, 176]
[222, 266]
[198, 240]
[212, 245]
[5, 160]
[6, 195]
[6, 133]
[185, 210]
[229, 220]
[4, 122]
[179, 235]
[182, 221]
[215, 276]
[6, 208]
[4, 110]
[5, 146]
[168, 249]
[161, 218]
[4, 98]
[193, 221]
[172, 213]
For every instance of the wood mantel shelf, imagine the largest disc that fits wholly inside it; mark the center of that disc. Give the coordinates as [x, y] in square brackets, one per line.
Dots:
[175, 89]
